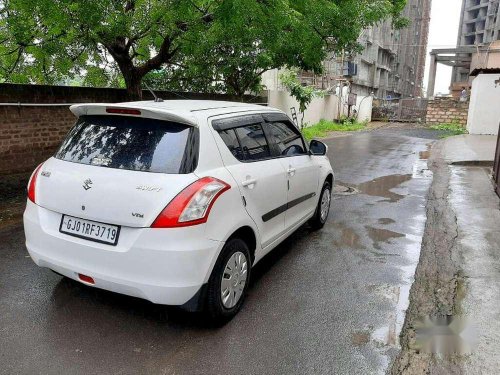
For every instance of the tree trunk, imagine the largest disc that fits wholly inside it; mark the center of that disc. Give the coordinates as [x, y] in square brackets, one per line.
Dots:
[120, 51]
[134, 87]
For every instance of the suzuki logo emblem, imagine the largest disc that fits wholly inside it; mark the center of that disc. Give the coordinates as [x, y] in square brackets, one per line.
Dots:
[87, 184]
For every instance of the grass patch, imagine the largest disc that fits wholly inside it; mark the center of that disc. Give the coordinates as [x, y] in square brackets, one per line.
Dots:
[449, 129]
[322, 128]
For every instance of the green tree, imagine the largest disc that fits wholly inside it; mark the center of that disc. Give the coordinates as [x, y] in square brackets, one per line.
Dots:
[232, 57]
[227, 67]
[217, 44]
[47, 40]
[303, 94]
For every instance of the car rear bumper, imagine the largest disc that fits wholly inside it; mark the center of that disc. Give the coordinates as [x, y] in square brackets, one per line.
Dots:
[164, 266]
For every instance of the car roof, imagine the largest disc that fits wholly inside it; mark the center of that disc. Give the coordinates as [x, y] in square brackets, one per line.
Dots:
[184, 111]
[194, 105]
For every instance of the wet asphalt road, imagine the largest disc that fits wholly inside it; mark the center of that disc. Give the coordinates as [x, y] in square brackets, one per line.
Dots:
[331, 301]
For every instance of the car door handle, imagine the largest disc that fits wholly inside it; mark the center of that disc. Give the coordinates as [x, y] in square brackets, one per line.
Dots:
[249, 183]
[291, 171]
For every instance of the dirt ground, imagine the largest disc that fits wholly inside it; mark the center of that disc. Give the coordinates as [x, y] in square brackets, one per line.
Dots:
[12, 198]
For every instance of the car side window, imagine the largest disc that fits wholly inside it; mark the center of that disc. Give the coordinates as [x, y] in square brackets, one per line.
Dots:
[246, 142]
[287, 139]
[232, 143]
[253, 142]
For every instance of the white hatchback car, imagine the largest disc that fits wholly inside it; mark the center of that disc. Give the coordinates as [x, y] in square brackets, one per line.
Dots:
[174, 201]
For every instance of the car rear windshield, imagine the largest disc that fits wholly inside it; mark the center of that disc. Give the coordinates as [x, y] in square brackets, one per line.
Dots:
[138, 144]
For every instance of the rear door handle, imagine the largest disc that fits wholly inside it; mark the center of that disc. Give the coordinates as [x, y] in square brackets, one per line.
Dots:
[291, 171]
[249, 183]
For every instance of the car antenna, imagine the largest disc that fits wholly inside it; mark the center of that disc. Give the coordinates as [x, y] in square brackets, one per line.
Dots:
[157, 99]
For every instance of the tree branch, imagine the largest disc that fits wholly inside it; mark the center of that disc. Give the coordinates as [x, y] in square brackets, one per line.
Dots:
[14, 66]
[164, 55]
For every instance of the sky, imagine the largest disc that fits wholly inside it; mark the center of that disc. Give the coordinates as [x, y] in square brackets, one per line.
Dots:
[443, 32]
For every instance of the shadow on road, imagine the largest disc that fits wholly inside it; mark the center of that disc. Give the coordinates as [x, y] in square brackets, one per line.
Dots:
[69, 295]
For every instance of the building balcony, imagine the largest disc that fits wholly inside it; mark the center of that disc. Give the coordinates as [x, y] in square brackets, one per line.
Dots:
[475, 7]
[474, 33]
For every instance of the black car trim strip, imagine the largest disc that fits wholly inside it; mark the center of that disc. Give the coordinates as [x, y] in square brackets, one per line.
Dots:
[277, 211]
[237, 122]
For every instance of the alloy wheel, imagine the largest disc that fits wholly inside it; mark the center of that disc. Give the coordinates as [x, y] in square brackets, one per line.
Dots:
[234, 279]
[325, 204]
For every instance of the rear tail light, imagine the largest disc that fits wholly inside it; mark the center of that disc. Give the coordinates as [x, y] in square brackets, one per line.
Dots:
[32, 184]
[192, 205]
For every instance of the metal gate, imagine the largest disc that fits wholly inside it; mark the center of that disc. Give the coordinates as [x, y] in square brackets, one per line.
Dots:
[496, 165]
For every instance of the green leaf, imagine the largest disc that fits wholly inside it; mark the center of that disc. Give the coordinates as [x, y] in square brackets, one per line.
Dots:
[216, 45]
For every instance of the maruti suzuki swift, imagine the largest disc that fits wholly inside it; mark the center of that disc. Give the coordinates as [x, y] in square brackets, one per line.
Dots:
[174, 201]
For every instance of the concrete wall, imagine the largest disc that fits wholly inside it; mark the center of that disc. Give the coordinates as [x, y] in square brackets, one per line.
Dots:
[364, 106]
[31, 133]
[484, 110]
[446, 110]
[320, 108]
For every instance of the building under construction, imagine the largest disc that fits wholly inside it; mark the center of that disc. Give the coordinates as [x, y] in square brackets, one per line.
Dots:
[479, 26]
[392, 62]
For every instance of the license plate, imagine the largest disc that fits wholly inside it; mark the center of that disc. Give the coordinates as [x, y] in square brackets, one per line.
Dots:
[90, 230]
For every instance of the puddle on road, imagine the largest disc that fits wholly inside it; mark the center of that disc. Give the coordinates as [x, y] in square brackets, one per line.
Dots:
[386, 221]
[421, 167]
[381, 235]
[424, 155]
[360, 338]
[382, 186]
[348, 237]
[378, 187]
[385, 336]
[379, 245]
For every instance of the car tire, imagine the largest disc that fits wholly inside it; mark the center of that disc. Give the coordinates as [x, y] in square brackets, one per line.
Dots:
[226, 293]
[319, 219]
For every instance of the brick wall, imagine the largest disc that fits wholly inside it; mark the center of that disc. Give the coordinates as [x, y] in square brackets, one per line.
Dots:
[31, 134]
[447, 110]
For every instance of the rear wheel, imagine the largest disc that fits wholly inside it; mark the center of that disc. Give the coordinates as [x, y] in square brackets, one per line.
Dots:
[323, 208]
[229, 281]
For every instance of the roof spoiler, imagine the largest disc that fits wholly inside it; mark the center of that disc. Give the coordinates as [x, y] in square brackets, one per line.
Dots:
[124, 109]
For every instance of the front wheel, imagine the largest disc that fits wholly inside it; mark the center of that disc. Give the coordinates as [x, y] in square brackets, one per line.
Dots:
[229, 281]
[323, 208]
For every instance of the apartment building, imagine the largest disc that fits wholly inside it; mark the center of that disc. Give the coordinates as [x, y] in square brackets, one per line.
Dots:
[479, 22]
[479, 26]
[391, 64]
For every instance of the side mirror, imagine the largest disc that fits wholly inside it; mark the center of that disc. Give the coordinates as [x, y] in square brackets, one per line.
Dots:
[317, 148]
